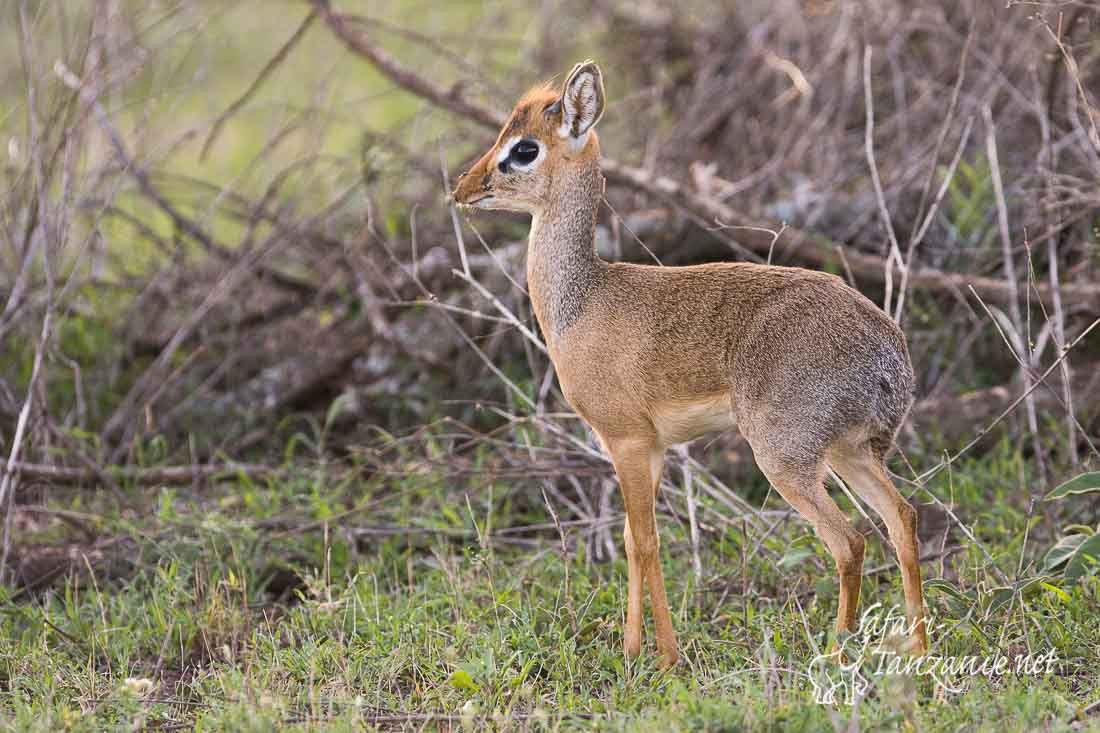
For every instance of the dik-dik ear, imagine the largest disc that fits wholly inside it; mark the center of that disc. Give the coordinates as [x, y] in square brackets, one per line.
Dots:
[582, 100]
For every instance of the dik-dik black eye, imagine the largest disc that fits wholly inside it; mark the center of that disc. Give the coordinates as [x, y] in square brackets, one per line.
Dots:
[524, 152]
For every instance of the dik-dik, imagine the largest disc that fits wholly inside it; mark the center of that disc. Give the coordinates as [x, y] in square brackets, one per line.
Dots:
[813, 374]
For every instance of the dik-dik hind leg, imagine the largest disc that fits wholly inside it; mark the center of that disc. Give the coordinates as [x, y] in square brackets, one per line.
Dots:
[638, 464]
[863, 470]
[801, 485]
[635, 579]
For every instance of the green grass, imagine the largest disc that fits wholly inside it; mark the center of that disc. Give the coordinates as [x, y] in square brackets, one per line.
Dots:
[454, 626]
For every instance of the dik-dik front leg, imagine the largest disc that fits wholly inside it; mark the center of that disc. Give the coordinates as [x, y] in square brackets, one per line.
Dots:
[638, 463]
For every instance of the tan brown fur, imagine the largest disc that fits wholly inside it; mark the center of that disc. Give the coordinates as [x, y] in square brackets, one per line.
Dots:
[812, 373]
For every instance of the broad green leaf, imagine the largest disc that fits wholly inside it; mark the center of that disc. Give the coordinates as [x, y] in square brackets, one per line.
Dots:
[1084, 559]
[1086, 483]
[1062, 551]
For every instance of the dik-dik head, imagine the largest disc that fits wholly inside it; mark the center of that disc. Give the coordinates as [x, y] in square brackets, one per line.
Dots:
[548, 135]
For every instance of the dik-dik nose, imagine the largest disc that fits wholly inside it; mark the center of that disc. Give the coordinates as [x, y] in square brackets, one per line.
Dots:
[452, 195]
[470, 186]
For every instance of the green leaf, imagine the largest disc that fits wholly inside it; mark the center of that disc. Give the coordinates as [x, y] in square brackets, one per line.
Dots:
[1062, 551]
[451, 515]
[1085, 558]
[1057, 591]
[1028, 587]
[345, 402]
[462, 680]
[1086, 483]
[1000, 596]
[1078, 529]
[946, 587]
[794, 557]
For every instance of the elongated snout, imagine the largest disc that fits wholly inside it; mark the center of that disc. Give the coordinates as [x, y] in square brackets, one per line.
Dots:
[476, 184]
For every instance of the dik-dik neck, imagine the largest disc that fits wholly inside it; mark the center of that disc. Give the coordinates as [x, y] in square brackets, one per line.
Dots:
[563, 269]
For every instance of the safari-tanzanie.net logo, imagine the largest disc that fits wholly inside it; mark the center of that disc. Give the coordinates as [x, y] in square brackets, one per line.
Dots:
[879, 648]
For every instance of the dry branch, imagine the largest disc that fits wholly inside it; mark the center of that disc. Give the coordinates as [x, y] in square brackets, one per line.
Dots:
[809, 247]
[8, 477]
[403, 76]
[188, 226]
[265, 73]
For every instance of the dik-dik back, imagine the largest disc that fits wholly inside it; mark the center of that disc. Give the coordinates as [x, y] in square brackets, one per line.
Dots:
[784, 344]
[813, 374]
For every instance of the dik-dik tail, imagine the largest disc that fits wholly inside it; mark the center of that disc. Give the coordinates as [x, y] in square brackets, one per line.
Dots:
[895, 395]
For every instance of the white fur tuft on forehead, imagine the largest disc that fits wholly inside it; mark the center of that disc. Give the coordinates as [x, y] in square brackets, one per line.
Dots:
[582, 102]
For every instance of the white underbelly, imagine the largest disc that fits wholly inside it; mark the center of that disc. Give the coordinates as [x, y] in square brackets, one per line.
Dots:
[678, 421]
